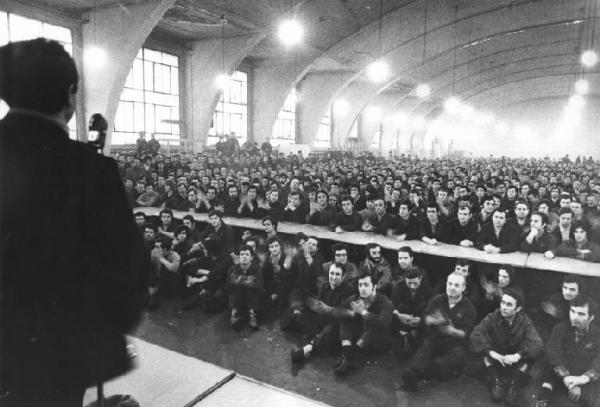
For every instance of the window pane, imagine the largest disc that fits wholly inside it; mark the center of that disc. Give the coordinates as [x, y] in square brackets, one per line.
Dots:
[3, 108]
[57, 33]
[3, 28]
[154, 87]
[22, 28]
[233, 103]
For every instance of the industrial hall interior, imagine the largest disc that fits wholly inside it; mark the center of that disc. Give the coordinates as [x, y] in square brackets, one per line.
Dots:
[346, 202]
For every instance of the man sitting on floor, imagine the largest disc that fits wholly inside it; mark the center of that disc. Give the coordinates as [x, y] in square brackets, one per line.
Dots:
[573, 355]
[322, 324]
[449, 319]
[366, 323]
[245, 288]
[509, 344]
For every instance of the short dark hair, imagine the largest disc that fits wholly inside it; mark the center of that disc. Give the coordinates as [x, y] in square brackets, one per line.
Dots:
[139, 213]
[190, 218]
[182, 228]
[271, 219]
[515, 293]
[413, 272]
[245, 247]
[573, 278]
[273, 239]
[563, 211]
[582, 300]
[212, 212]
[164, 242]
[339, 246]
[340, 266]
[152, 226]
[37, 75]
[166, 210]
[365, 274]
[407, 249]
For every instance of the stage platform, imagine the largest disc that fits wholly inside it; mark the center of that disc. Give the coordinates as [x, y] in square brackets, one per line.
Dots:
[164, 378]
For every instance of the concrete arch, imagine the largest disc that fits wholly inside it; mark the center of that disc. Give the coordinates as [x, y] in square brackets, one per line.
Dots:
[120, 33]
[405, 57]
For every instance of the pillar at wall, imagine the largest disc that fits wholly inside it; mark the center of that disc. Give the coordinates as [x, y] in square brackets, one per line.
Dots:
[120, 33]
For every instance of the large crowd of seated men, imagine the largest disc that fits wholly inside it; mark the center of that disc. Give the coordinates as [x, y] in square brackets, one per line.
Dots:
[431, 318]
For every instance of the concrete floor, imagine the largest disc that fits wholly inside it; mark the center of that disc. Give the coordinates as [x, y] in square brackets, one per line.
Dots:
[265, 356]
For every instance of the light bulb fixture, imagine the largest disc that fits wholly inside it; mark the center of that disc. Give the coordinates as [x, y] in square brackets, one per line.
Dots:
[423, 91]
[373, 113]
[378, 71]
[341, 107]
[576, 102]
[452, 105]
[291, 32]
[589, 58]
[221, 81]
[95, 56]
[582, 86]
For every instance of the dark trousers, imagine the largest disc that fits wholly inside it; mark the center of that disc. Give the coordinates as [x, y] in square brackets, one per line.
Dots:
[323, 330]
[449, 356]
[244, 297]
[353, 329]
[590, 393]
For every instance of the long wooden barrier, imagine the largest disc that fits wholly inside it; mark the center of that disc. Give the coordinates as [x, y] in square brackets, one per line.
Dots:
[516, 259]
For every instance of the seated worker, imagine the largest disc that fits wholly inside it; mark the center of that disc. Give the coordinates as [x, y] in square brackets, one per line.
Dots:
[245, 288]
[473, 289]
[340, 255]
[295, 211]
[366, 323]
[375, 264]
[321, 323]
[406, 225]
[509, 345]
[410, 298]
[432, 225]
[449, 319]
[493, 289]
[305, 268]
[270, 226]
[460, 230]
[347, 220]
[276, 275]
[380, 222]
[182, 242]
[216, 226]
[320, 213]
[573, 356]
[164, 277]
[538, 239]
[195, 234]
[405, 264]
[562, 232]
[167, 225]
[206, 275]
[557, 307]
[579, 247]
[498, 236]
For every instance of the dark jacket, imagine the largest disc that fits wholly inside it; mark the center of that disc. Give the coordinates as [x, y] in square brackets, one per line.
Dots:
[568, 357]
[461, 316]
[405, 303]
[64, 311]
[454, 233]
[379, 315]
[348, 223]
[570, 249]
[540, 244]
[507, 240]
[494, 334]
[411, 227]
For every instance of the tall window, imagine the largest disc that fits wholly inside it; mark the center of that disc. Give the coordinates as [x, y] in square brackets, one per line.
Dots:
[284, 130]
[14, 27]
[150, 100]
[323, 139]
[231, 113]
[376, 143]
